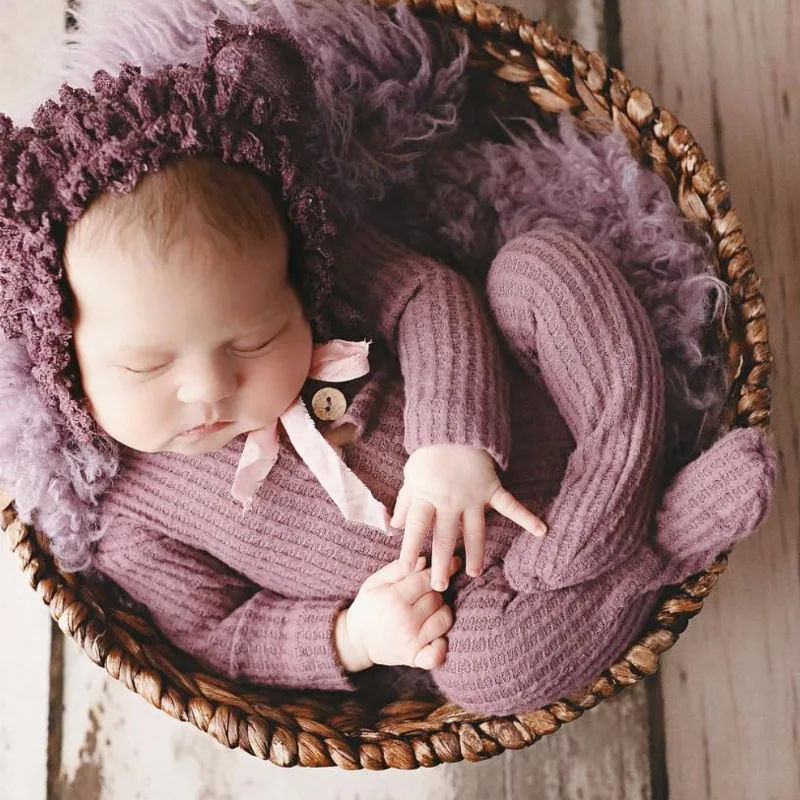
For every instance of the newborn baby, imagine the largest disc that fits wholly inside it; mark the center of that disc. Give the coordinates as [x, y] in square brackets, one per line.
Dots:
[205, 297]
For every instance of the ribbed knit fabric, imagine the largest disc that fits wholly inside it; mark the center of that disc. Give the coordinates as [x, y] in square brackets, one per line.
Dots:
[569, 315]
[255, 596]
[434, 321]
[718, 499]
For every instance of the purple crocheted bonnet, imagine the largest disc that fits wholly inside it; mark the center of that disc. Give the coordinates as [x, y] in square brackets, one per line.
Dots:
[105, 140]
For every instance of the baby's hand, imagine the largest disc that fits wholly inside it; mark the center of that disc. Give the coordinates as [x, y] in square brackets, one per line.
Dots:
[395, 619]
[450, 486]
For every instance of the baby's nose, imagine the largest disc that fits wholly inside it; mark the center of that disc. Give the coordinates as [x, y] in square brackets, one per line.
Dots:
[208, 382]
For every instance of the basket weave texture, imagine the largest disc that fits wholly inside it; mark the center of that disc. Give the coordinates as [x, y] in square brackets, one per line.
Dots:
[521, 59]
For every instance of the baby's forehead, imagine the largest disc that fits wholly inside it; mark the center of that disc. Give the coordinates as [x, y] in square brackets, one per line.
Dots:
[190, 202]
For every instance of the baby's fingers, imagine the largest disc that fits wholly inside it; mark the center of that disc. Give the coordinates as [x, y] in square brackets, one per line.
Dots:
[418, 523]
[474, 540]
[432, 655]
[391, 573]
[506, 504]
[414, 586]
[401, 508]
[436, 625]
[427, 605]
[444, 543]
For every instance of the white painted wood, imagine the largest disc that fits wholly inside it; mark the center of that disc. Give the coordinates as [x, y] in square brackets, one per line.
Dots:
[24, 683]
[117, 747]
[602, 756]
[29, 29]
[30, 32]
[729, 69]
[31, 37]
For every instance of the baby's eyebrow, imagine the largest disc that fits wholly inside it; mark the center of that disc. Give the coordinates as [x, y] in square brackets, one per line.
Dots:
[128, 350]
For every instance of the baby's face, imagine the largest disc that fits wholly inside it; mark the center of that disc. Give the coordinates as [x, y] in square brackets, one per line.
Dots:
[186, 350]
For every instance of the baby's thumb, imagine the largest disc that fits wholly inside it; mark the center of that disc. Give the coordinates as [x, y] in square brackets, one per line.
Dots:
[391, 573]
[432, 655]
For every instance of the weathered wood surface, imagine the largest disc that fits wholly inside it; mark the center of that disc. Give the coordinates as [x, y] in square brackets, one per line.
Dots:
[31, 37]
[24, 683]
[603, 756]
[729, 70]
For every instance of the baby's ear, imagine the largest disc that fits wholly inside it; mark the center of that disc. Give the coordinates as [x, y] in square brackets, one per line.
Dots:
[261, 62]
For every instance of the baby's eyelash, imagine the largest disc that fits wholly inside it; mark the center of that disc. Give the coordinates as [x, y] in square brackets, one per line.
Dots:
[148, 371]
[248, 351]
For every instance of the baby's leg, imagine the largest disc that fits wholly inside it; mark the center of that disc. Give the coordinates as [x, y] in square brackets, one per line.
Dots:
[510, 652]
[569, 317]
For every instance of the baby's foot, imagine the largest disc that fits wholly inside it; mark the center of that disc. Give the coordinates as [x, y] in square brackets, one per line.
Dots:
[717, 499]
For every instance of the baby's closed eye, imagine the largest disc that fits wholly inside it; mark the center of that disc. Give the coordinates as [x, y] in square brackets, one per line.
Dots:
[254, 350]
[256, 345]
[145, 369]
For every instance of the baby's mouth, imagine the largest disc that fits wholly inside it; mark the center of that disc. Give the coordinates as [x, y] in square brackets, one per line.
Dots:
[206, 429]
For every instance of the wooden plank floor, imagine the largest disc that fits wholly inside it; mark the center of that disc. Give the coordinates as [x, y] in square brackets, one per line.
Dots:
[729, 723]
[730, 72]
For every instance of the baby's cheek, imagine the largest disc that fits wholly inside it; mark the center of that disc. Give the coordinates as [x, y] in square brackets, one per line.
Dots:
[139, 417]
[271, 389]
[283, 373]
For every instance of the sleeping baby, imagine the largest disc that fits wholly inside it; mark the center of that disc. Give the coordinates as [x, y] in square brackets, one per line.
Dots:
[335, 453]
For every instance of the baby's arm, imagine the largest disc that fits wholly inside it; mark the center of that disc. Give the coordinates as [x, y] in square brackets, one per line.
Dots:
[432, 318]
[215, 614]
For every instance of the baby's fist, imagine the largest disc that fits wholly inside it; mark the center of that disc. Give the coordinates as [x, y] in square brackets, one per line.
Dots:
[395, 620]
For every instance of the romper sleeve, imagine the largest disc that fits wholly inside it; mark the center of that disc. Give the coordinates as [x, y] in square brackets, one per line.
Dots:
[221, 618]
[436, 324]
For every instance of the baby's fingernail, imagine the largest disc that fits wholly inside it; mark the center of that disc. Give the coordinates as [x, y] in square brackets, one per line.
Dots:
[540, 530]
[439, 585]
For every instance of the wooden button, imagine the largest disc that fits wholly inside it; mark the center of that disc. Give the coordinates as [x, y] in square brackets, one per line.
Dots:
[328, 404]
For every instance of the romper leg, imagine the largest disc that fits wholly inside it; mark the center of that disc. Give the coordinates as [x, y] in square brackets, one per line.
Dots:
[569, 318]
[511, 652]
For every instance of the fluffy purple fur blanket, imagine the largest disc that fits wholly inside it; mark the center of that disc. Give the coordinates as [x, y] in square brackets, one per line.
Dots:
[394, 136]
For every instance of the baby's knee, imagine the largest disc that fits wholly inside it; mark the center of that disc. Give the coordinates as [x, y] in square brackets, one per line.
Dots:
[540, 275]
[492, 685]
[531, 256]
[550, 292]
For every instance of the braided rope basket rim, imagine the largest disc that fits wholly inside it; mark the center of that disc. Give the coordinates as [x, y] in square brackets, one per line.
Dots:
[321, 729]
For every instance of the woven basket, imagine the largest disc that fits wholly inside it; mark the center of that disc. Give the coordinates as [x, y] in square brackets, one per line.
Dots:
[523, 62]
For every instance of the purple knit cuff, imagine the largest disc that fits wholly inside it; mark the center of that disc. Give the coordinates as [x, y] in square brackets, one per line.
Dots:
[293, 649]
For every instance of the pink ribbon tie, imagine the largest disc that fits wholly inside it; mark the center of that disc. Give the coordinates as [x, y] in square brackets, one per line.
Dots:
[337, 360]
